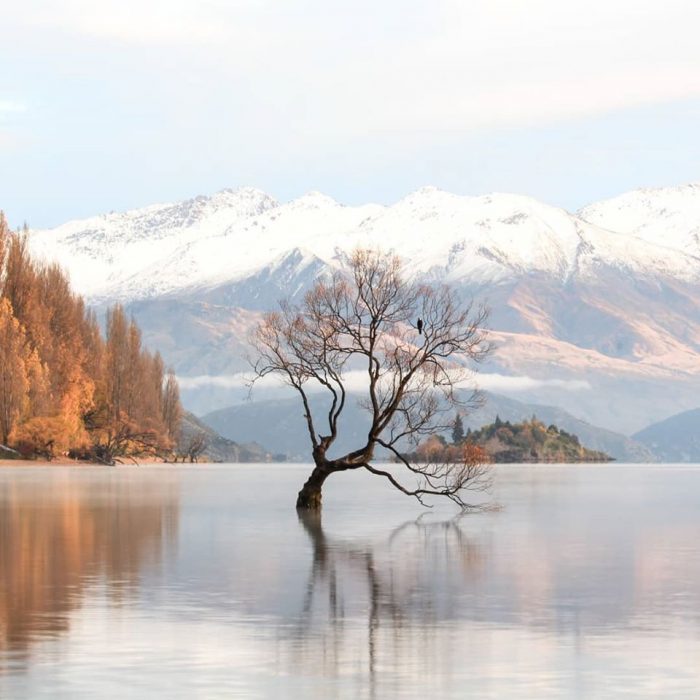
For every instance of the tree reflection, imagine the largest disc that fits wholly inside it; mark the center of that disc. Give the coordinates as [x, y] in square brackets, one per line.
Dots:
[367, 602]
[60, 539]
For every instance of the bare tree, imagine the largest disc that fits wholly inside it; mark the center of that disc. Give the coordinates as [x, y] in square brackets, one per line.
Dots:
[194, 447]
[368, 319]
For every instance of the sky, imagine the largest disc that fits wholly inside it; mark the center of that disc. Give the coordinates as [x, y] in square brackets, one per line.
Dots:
[110, 105]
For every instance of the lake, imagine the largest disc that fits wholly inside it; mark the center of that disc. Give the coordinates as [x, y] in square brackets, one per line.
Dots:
[202, 582]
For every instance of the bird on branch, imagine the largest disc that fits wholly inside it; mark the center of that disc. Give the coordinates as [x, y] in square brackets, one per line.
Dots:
[419, 326]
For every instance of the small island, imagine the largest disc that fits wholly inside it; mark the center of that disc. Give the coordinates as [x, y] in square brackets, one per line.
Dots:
[530, 441]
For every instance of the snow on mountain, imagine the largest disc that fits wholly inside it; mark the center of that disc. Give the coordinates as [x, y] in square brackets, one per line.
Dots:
[501, 236]
[667, 216]
[103, 252]
[610, 295]
[232, 236]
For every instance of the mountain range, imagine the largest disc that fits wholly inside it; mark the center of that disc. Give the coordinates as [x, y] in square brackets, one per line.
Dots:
[596, 312]
[675, 439]
[252, 420]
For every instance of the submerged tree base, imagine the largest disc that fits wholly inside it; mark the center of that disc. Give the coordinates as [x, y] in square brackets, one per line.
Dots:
[309, 498]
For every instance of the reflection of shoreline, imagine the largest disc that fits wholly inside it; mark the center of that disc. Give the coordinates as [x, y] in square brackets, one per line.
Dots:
[62, 462]
[60, 536]
[42, 464]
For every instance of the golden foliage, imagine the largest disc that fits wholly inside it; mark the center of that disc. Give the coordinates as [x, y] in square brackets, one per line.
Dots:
[62, 386]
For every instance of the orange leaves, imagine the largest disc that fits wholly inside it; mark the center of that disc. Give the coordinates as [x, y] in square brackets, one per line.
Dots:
[58, 378]
[14, 384]
[139, 412]
[434, 449]
[474, 454]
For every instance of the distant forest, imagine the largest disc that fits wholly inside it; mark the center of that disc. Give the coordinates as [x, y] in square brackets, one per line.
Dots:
[64, 388]
[503, 441]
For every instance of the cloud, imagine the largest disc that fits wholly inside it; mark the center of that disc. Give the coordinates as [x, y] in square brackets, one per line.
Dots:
[506, 383]
[356, 382]
[224, 381]
[398, 67]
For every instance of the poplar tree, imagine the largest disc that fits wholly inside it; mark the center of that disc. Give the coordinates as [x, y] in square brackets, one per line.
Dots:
[14, 385]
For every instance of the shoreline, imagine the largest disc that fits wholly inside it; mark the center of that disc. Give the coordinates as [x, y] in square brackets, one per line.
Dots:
[61, 462]
[65, 462]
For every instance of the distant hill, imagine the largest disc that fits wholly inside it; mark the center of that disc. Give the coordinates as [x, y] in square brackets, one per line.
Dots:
[676, 439]
[280, 426]
[218, 448]
[621, 447]
[532, 441]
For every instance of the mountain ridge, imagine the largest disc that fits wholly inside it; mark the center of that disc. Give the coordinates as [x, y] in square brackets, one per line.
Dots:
[487, 238]
[570, 299]
[675, 439]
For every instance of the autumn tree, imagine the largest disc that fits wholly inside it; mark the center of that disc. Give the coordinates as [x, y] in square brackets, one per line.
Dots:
[367, 318]
[19, 273]
[117, 360]
[59, 325]
[129, 418]
[54, 321]
[62, 387]
[4, 236]
[14, 384]
[171, 408]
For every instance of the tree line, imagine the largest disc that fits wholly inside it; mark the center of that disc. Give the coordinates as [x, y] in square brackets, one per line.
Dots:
[64, 387]
[502, 441]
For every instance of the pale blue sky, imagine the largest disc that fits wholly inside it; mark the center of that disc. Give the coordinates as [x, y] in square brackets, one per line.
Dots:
[111, 105]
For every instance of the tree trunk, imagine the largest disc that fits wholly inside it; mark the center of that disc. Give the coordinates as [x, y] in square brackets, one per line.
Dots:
[310, 495]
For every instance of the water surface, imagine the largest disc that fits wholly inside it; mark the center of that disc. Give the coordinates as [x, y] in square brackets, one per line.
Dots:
[202, 582]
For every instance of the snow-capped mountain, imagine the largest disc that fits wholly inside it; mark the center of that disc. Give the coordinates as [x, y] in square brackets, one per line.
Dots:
[668, 216]
[103, 252]
[607, 298]
[235, 235]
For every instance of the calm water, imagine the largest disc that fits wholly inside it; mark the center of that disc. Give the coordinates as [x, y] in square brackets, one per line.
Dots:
[202, 582]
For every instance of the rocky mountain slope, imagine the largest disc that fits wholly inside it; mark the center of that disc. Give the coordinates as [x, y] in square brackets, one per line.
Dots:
[676, 439]
[217, 448]
[606, 300]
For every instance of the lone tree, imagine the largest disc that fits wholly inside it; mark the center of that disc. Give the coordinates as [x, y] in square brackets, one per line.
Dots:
[365, 318]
